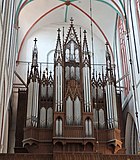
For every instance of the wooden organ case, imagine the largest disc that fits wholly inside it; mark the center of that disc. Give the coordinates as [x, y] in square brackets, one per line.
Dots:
[72, 110]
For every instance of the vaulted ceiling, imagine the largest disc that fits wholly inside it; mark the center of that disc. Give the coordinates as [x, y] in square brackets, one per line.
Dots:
[33, 15]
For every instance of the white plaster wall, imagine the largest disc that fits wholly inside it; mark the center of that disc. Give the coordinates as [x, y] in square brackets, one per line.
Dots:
[47, 37]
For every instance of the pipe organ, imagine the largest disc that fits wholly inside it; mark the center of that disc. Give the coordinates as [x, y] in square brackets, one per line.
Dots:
[75, 108]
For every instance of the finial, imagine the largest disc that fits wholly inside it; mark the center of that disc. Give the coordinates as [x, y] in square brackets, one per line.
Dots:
[58, 30]
[50, 72]
[71, 20]
[85, 32]
[35, 40]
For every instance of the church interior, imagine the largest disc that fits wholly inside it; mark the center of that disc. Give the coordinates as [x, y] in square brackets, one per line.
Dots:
[70, 79]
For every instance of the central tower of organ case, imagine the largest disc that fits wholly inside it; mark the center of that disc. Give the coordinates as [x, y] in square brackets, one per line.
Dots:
[70, 110]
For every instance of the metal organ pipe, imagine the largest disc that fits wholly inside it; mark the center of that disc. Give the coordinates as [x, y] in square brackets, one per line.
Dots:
[111, 106]
[35, 104]
[29, 104]
[85, 101]
[56, 82]
[115, 108]
[32, 105]
[58, 87]
[89, 100]
[86, 84]
[87, 94]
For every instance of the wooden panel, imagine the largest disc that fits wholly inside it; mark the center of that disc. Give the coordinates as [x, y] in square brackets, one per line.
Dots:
[67, 156]
[73, 131]
[21, 118]
[37, 133]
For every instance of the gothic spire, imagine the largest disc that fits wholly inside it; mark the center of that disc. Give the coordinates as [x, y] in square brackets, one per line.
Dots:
[34, 74]
[72, 34]
[35, 55]
[85, 45]
[58, 49]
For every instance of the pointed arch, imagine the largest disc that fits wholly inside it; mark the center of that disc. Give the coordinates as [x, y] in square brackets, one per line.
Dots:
[131, 135]
[45, 14]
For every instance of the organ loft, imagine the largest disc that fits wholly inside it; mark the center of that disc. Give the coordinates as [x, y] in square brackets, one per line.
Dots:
[72, 109]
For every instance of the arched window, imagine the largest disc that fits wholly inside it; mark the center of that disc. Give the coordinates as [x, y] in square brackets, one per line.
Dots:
[88, 127]
[49, 117]
[42, 117]
[59, 127]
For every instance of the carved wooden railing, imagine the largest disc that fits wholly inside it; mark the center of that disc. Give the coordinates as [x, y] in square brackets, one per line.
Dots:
[67, 156]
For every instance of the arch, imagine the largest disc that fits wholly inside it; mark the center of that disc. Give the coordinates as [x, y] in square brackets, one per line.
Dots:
[89, 147]
[45, 14]
[131, 136]
[34, 25]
